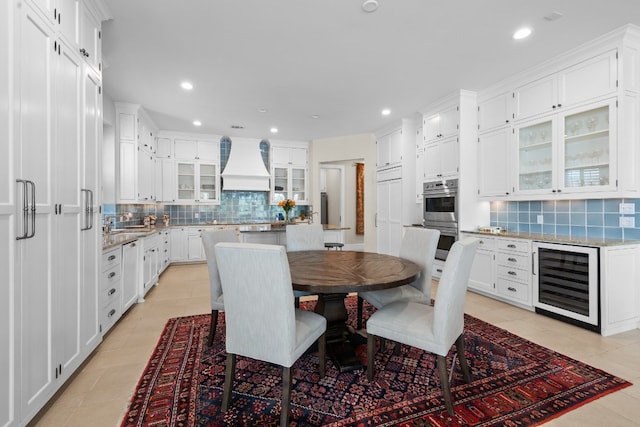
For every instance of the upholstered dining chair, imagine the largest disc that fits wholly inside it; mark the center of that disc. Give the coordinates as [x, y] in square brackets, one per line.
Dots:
[418, 245]
[304, 237]
[209, 240]
[431, 328]
[261, 320]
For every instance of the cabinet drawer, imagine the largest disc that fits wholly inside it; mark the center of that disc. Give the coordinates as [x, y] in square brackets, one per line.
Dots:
[514, 260]
[517, 274]
[513, 290]
[111, 258]
[514, 245]
[110, 315]
[111, 277]
[485, 243]
[110, 294]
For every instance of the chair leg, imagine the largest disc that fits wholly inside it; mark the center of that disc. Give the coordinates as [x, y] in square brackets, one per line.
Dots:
[444, 383]
[322, 351]
[463, 360]
[212, 327]
[296, 302]
[286, 396]
[371, 342]
[228, 381]
[359, 313]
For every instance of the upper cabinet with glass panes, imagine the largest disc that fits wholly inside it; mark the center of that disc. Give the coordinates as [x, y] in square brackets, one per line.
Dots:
[290, 172]
[570, 152]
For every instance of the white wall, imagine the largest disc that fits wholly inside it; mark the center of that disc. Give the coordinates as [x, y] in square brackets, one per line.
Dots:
[347, 150]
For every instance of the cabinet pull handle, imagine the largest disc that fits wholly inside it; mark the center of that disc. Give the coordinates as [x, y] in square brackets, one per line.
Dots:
[512, 289]
[512, 260]
[111, 291]
[511, 246]
[512, 273]
[439, 270]
[112, 312]
[111, 258]
[112, 274]
[533, 263]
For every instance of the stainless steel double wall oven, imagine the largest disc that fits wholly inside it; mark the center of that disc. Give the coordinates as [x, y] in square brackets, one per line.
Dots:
[440, 212]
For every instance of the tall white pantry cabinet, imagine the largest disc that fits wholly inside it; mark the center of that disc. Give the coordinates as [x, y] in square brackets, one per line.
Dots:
[51, 124]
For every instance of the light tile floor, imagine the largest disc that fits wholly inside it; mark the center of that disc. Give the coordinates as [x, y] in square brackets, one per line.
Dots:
[98, 395]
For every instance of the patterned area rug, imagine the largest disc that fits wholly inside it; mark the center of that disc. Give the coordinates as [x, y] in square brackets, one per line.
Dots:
[516, 382]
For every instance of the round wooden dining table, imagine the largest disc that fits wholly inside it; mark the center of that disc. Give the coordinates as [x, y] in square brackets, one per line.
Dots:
[332, 275]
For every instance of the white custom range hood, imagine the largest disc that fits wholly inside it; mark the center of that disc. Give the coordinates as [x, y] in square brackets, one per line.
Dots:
[245, 170]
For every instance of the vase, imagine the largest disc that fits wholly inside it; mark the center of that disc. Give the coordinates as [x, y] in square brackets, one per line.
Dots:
[286, 217]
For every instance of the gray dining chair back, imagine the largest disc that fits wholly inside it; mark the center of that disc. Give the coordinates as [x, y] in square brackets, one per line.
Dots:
[209, 240]
[305, 237]
[418, 245]
[261, 321]
[431, 328]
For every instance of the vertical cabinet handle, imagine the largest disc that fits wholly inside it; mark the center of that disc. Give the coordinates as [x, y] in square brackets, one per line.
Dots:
[28, 209]
[88, 209]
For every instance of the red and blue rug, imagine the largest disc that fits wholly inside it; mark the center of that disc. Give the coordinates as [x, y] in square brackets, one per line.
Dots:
[515, 383]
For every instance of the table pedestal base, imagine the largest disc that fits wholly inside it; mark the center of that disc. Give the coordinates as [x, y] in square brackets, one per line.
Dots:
[339, 347]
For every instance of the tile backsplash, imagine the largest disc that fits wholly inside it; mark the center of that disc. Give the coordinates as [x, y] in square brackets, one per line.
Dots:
[234, 207]
[594, 218]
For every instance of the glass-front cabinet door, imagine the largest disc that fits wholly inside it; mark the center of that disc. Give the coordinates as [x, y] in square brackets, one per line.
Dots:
[280, 190]
[535, 157]
[208, 183]
[568, 152]
[186, 181]
[298, 184]
[587, 149]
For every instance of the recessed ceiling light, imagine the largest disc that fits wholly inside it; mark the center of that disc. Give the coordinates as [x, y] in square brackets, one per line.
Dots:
[262, 110]
[522, 33]
[274, 130]
[315, 116]
[197, 123]
[370, 6]
[386, 112]
[186, 85]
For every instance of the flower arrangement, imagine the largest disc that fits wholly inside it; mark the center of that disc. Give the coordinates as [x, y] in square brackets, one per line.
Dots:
[286, 205]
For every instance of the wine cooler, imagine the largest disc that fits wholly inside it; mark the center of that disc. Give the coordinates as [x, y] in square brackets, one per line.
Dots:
[566, 283]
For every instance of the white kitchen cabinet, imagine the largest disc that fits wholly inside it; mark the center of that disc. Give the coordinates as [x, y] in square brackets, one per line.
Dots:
[164, 148]
[195, 250]
[51, 275]
[111, 289]
[136, 154]
[441, 159]
[570, 152]
[166, 187]
[482, 277]
[146, 180]
[494, 164]
[389, 149]
[441, 124]
[620, 294]
[513, 270]
[165, 250]
[150, 263]
[495, 112]
[419, 165]
[178, 239]
[8, 347]
[289, 173]
[265, 238]
[186, 149]
[130, 273]
[90, 38]
[197, 182]
[389, 211]
[91, 234]
[587, 81]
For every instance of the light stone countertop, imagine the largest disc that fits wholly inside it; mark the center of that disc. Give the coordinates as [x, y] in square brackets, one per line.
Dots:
[583, 241]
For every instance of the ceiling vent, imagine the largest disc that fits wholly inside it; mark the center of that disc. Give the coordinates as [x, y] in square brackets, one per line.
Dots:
[237, 127]
[245, 170]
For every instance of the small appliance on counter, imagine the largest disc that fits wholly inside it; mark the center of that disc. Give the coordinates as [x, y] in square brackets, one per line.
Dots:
[491, 230]
[165, 220]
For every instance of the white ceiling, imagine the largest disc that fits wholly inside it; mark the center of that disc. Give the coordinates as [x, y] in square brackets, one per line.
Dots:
[299, 58]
